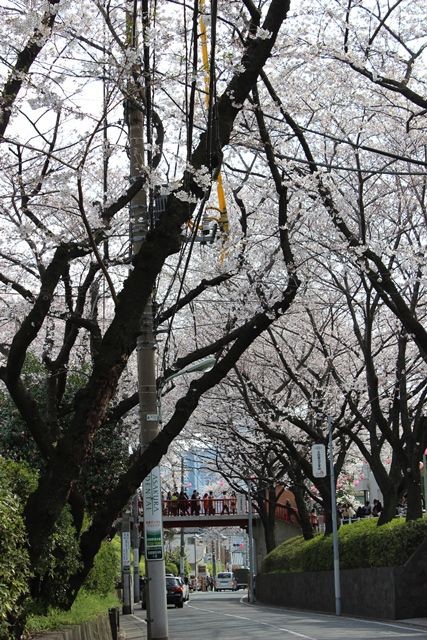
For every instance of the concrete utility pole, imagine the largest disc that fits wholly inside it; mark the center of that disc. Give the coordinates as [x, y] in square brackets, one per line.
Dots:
[157, 623]
[182, 541]
[251, 597]
[196, 537]
[148, 413]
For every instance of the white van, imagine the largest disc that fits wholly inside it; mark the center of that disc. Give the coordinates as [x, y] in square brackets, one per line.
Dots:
[225, 580]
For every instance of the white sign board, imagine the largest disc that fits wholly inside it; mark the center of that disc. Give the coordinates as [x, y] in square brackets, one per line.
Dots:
[153, 525]
[126, 550]
[241, 506]
[318, 460]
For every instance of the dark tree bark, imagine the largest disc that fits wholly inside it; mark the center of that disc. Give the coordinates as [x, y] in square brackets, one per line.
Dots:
[266, 500]
[298, 490]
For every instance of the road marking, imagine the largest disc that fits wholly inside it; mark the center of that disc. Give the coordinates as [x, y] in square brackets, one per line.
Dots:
[390, 624]
[265, 624]
[273, 626]
[138, 618]
[202, 609]
[292, 612]
[295, 633]
[330, 615]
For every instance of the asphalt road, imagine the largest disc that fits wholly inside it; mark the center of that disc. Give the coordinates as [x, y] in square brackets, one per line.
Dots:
[224, 616]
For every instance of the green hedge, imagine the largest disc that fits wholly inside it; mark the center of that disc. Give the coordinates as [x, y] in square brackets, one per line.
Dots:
[362, 544]
[14, 563]
[105, 571]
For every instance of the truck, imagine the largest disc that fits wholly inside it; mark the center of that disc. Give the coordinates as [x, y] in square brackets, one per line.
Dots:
[202, 577]
[242, 577]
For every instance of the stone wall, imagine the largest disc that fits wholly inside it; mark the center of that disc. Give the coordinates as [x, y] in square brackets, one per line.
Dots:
[383, 592]
[97, 629]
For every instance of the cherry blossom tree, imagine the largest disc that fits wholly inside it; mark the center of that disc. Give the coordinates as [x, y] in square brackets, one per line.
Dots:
[325, 183]
[70, 292]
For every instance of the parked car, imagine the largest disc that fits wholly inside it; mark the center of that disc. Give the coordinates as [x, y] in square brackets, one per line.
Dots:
[186, 588]
[242, 577]
[175, 592]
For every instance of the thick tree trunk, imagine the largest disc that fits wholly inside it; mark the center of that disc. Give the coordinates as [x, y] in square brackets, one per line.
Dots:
[267, 514]
[323, 487]
[390, 485]
[414, 495]
[391, 499]
[269, 534]
[304, 518]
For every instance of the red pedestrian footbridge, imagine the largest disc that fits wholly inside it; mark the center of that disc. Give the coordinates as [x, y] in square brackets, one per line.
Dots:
[219, 516]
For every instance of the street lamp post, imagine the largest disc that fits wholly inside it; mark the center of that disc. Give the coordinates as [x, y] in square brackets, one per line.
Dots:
[222, 549]
[196, 537]
[251, 598]
[337, 581]
[205, 364]
[213, 559]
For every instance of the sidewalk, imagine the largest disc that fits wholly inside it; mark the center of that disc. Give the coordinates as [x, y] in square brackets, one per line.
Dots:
[133, 627]
[416, 622]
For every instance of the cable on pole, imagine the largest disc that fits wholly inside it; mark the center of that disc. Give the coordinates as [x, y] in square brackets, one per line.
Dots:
[209, 82]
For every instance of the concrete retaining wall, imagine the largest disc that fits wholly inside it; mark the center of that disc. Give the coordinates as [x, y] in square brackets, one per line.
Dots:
[283, 531]
[383, 592]
[97, 629]
[364, 592]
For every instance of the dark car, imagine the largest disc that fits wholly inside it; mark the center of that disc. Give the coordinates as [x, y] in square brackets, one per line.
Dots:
[174, 592]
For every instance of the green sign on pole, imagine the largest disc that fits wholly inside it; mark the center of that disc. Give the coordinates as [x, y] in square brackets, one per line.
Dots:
[153, 526]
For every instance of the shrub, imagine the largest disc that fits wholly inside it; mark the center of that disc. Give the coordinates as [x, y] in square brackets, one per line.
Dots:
[14, 563]
[362, 544]
[103, 575]
[86, 607]
[59, 562]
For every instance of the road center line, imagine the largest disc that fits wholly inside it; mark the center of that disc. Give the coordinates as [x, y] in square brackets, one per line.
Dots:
[191, 606]
[268, 624]
[295, 633]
